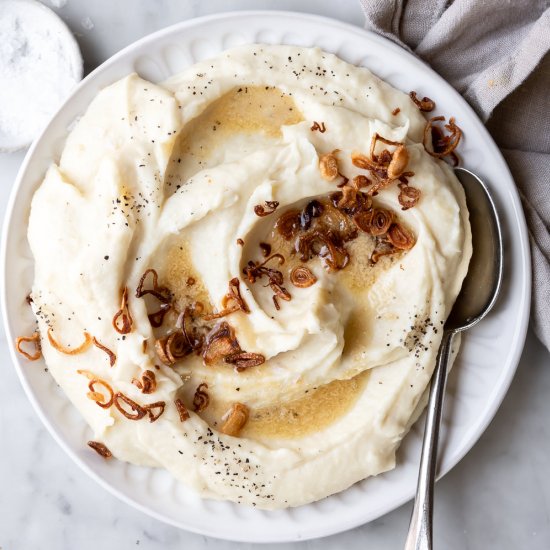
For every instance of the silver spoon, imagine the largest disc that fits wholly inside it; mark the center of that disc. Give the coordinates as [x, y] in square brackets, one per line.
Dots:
[477, 296]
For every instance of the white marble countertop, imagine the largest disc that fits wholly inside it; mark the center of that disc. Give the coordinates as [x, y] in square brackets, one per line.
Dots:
[498, 497]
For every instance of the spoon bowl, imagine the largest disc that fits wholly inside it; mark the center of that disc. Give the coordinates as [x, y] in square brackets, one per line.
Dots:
[482, 283]
[477, 296]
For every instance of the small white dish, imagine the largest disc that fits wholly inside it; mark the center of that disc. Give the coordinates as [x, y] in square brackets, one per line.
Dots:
[40, 64]
[490, 351]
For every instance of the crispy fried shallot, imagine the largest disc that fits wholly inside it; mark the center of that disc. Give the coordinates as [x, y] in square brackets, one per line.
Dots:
[161, 293]
[425, 104]
[147, 383]
[288, 224]
[380, 221]
[244, 359]
[111, 355]
[400, 237]
[231, 302]
[122, 321]
[398, 163]
[128, 407]
[328, 166]
[220, 342]
[408, 196]
[35, 341]
[103, 398]
[100, 448]
[302, 277]
[201, 398]
[439, 145]
[172, 347]
[182, 410]
[154, 410]
[316, 126]
[191, 333]
[269, 208]
[70, 351]
[235, 419]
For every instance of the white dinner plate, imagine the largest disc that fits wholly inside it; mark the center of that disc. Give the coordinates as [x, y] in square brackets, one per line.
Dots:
[490, 351]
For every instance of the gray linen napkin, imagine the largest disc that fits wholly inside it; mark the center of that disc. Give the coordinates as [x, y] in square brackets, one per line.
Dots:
[494, 52]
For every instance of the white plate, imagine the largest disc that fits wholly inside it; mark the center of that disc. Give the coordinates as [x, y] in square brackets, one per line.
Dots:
[489, 355]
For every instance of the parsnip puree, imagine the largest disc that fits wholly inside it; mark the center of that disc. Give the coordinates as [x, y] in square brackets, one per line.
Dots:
[242, 273]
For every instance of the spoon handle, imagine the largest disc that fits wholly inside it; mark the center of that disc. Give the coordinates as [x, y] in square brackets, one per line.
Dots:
[420, 528]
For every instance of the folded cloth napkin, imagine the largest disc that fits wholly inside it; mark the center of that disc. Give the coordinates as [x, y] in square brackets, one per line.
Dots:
[494, 52]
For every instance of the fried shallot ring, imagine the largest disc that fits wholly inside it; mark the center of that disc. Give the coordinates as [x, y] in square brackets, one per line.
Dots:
[220, 342]
[380, 221]
[95, 395]
[436, 143]
[244, 360]
[425, 104]
[269, 208]
[302, 277]
[35, 340]
[231, 302]
[154, 410]
[112, 356]
[235, 419]
[137, 411]
[201, 398]
[182, 410]
[408, 196]
[172, 347]
[68, 351]
[319, 127]
[328, 166]
[122, 321]
[147, 383]
[400, 237]
[100, 448]
[160, 292]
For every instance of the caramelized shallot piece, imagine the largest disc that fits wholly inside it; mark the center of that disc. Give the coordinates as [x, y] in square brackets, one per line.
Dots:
[244, 360]
[398, 163]
[135, 412]
[70, 351]
[231, 302]
[201, 399]
[104, 398]
[328, 165]
[161, 293]
[436, 143]
[154, 410]
[235, 419]
[100, 448]
[400, 237]
[112, 356]
[35, 341]
[380, 221]
[147, 383]
[320, 127]
[360, 181]
[425, 104]
[220, 343]
[302, 277]
[408, 196]
[269, 208]
[288, 224]
[396, 111]
[182, 410]
[122, 321]
[172, 348]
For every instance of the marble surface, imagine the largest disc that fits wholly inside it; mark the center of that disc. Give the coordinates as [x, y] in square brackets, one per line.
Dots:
[497, 497]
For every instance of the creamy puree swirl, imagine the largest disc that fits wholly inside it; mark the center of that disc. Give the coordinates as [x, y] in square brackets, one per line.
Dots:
[167, 177]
